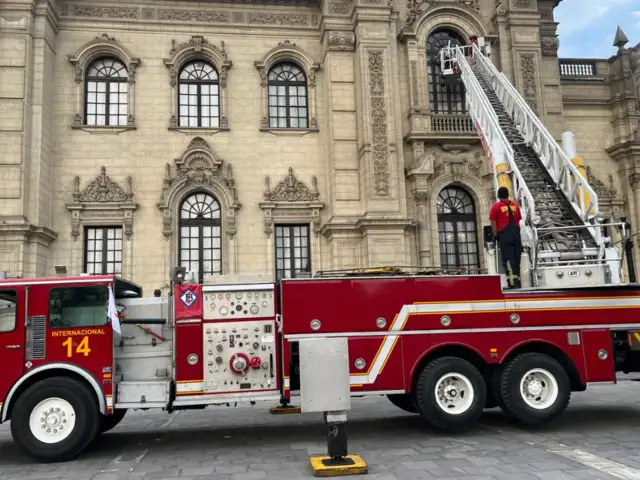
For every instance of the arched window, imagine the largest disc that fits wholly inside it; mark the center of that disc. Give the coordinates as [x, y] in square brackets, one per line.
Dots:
[106, 93]
[457, 229]
[199, 91]
[288, 106]
[200, 235]
[443, 99]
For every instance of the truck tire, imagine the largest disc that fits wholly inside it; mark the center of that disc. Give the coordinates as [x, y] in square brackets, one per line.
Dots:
[535, 388]
[495, 389]
[451, 393]
[44, 408]
[403, 401]
[111, 421]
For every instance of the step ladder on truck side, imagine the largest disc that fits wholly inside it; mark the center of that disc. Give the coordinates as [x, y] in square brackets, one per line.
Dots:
[562, 227]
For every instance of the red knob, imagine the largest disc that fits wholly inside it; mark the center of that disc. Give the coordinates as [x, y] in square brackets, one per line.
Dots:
[238, 363]
[255, 362]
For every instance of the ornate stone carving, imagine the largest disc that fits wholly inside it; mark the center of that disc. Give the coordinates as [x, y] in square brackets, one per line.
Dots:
[475, 166]
[603, 191]
[339, 8]
[194, 16]
[205, 16]
[340, 40]
[199, 167]
[634, 180]
[550, 45]
[278, 19]
[413, 71]
[421, 196]
[379, 142]
[529, 81]
[103, 44]
[415, 8]
[501, 9]
[102, 198]
[198, 46]
[291, 190]
[102, 189]
[291, 198]
[103, 12]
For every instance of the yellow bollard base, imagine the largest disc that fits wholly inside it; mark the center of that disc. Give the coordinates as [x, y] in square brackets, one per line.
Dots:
[328, 467]
[288, 410]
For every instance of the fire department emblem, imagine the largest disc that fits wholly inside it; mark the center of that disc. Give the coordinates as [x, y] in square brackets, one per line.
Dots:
[188, 298]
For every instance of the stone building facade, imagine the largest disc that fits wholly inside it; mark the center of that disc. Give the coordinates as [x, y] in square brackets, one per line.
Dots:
[277, 136]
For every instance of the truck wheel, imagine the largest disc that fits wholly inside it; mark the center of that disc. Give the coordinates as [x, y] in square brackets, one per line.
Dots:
[403, 401]
[451, 393]
[495, 389]
[535, 388]
[55, 419]
[111, 421]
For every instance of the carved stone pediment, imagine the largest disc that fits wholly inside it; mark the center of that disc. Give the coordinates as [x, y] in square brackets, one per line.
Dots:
[102, 189]
[290, 189]
[199, 167]
[291, 200]
[102, 200]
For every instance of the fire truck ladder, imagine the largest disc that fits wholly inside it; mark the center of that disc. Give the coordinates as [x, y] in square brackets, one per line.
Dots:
[562, 222]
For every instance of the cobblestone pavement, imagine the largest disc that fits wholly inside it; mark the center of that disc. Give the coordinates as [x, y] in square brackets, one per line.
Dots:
[598, 438]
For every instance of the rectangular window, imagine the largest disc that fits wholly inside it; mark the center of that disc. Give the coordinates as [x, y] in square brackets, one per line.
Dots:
[71, 307]
[103, 250]
[8, 310]
[293, 251]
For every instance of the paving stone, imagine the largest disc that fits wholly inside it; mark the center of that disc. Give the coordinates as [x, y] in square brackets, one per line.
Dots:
[249, 444]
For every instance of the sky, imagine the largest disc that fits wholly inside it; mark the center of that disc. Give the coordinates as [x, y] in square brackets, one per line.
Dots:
[587, 27]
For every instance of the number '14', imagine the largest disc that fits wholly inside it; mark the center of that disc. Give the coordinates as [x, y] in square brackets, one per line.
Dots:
[82, 348]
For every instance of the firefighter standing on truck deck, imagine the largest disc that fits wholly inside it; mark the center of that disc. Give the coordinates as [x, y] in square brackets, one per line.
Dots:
[505, 219]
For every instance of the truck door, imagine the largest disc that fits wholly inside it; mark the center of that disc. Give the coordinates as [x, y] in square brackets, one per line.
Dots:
[12, 337]
[68, 324]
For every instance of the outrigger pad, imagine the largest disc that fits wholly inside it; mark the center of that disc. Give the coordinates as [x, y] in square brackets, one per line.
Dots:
[338, 467]
[288, 410]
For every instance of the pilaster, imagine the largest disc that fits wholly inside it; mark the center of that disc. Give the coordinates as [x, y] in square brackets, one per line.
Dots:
[28, 47]
[518, 25]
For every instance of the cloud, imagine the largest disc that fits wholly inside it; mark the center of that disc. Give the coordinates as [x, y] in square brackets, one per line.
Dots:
[586, 27]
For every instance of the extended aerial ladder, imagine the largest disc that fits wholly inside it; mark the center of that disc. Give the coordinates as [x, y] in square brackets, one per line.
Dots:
[562, 226]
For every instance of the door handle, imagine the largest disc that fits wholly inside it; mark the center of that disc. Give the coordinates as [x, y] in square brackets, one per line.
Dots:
[13, 346]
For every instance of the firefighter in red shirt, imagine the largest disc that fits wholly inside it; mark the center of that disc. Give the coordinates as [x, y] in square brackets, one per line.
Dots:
[505, 219]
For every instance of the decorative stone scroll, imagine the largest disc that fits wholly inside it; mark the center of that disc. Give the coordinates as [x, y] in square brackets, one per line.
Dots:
[198, 168]
[102, 202]
[198, 48]
[291, 201]
[103, 46]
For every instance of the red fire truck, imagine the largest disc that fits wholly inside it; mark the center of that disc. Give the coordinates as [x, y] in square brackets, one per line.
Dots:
[441, 346]
[444, 346]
